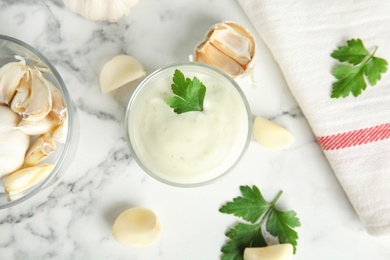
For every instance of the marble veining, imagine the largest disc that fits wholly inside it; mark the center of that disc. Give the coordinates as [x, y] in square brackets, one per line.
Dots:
[72, 218]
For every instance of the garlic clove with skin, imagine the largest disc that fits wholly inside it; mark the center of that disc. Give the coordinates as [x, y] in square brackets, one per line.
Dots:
[60, 133]
[26, 103]
[213, 56]
[10, 76]
[23, 91]
[39, 102]
[232, 40]
[13, 143]
[101, 10]
[25, 178]
[227, 46]
[119, 71]
[50, 122]
[58, 104]
[40, 149]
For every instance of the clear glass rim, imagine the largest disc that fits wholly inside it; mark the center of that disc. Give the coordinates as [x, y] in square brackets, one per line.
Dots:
[70, 110]
[201, 183]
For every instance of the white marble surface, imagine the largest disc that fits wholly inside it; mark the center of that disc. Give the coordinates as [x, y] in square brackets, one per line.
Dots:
[72, 219]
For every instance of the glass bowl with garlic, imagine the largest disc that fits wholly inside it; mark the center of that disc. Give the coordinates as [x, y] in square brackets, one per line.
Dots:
[36, 122]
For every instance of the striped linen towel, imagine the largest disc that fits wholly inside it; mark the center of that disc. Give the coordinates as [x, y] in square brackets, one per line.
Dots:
[353, 132]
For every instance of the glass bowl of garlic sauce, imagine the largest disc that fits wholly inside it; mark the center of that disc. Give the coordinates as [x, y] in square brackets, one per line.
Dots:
[192, 148]
[38, 137]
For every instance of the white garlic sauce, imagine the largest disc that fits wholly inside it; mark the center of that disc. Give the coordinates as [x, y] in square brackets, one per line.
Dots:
[193, 146]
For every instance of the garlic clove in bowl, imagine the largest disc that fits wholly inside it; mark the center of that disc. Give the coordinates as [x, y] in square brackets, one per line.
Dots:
[58, 105]
[13, 143]
[60, 133]
[22, 94]
[119, 71]
[49, 123]
[27, 177]
[227, 46]
[39, 103]
[10, 76]
[40, 149]
[101, 10]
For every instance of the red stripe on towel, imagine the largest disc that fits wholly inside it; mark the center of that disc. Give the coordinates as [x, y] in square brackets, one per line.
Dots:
[354, 138]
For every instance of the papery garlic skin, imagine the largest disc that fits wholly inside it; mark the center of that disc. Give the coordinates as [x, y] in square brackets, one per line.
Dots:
[40, 149]
[101, 10]
[25, 178]
[10, 76]
[13, 143]
[227, 46]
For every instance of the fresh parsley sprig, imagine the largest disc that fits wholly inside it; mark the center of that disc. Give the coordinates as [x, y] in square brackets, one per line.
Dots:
[263, 216]
[189, 94]
[359, 66]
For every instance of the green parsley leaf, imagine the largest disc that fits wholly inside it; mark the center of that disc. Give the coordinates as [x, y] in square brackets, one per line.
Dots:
[189, 94]
[250, 207]
[281, 224]
[253, 208]
[354, 52]
[351, 79]
[374, 69]
[361, 66]
[240, 236]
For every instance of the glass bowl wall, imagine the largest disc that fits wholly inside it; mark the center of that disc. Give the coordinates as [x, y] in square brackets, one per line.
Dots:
[10, 51]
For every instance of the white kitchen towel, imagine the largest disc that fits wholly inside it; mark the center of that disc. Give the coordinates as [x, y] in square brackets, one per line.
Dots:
[354, 132]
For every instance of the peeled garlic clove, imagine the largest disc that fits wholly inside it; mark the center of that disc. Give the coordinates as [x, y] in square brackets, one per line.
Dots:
[136, 227]
[235, 45]
[271, 135]
[275, 252]
[119, 71]
[40, 149]
[40, 127]
[26, 178]
[40, 100]
[10, 76]
[13, 143]
[101, 10]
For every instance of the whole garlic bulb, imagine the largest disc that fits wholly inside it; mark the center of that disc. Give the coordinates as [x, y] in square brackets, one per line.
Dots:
[227, 46]
[101, 10]
[13, 143]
